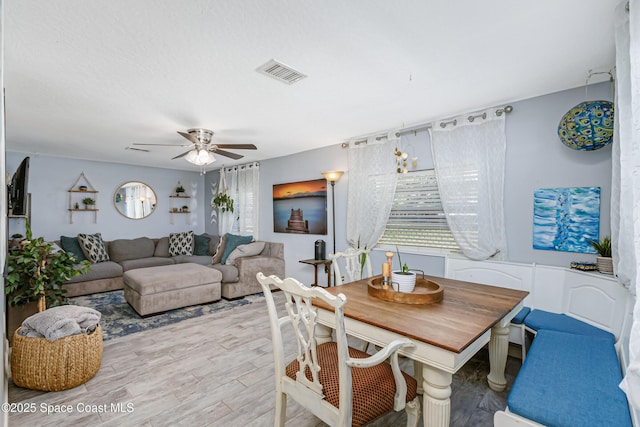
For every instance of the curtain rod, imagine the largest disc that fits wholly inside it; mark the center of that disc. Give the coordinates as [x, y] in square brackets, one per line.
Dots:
[507, 109]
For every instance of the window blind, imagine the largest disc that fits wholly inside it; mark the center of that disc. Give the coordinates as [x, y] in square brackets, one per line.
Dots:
[417, 217]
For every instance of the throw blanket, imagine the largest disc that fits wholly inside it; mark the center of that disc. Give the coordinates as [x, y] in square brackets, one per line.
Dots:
[61, 321]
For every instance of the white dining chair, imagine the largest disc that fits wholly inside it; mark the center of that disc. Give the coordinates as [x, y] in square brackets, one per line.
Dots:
[340, 385]
[352, 263]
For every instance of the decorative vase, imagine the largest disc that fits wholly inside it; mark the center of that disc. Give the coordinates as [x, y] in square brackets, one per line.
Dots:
[605, 264]
[403, 281]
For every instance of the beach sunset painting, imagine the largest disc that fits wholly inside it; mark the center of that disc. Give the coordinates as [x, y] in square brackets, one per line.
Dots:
[300, 207]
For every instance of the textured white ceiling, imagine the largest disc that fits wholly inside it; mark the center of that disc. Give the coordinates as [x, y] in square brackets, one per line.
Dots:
[85, 79]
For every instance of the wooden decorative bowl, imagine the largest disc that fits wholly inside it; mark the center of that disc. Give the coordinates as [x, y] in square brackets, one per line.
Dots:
[425, 292]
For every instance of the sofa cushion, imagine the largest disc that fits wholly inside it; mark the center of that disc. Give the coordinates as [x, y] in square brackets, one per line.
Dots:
[162, 247]
[229, 272]
[195, 259]
[250, 249]
[540, 319]
[132, 264]
[101, 270]
[71, 245]
[217, 254]
[93, 247]
[124, 249]
[570, 380]
[214, 241]
[181, 243]
[232, 241]
[201, 245]
[518, 319]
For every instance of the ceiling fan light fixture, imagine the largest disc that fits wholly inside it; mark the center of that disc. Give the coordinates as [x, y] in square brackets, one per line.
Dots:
[200, 157]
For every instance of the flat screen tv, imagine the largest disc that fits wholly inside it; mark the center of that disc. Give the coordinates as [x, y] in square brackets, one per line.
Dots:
[18, 189]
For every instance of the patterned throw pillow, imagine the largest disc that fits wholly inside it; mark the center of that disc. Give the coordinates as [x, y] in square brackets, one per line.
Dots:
[217, 256]
[93, 247]
[181, 243]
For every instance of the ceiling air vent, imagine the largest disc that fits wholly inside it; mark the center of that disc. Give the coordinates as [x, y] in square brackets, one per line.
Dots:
[280, 72]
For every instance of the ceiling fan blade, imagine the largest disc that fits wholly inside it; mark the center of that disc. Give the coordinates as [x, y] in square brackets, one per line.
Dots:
[163, 145]
[189, 137]
[181, 155]
[229, 154]
[238, 146]
[137, 149]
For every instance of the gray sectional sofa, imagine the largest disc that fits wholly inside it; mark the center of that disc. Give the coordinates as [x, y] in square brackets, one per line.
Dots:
[126, 254]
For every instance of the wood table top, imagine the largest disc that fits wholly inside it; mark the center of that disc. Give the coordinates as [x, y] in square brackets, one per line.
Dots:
[466, 312]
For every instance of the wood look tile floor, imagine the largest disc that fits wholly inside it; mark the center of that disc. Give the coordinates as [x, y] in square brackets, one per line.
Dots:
[215, 370]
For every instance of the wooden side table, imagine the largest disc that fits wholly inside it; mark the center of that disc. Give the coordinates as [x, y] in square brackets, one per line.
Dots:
[316, 263]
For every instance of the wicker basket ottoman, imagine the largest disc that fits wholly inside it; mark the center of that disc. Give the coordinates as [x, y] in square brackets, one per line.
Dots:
[57, 365]
[166, 287]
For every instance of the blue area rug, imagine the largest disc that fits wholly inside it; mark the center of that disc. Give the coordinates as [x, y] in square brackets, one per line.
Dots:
[119, 319]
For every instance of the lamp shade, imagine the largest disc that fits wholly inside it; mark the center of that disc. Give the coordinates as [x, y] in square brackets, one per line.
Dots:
[332, 176]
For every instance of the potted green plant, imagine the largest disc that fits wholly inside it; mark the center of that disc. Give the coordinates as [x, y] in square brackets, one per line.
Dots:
[87, 202]
[35, 275]
[224, 202]
[179, 189]
[404, 278]
[185, 208]
[604, 261]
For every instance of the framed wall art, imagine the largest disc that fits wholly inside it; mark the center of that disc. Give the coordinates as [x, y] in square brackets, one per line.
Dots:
[300, 207]
[566, 219]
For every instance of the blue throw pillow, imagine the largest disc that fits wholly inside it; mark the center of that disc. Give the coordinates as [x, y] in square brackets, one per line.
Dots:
[231, 242]
[71, 245]
[202, 245]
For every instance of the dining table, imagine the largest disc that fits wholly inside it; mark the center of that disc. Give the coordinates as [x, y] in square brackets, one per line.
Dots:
[445, 334]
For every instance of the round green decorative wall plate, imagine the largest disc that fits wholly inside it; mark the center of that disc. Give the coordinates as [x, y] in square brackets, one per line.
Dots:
[588, 126]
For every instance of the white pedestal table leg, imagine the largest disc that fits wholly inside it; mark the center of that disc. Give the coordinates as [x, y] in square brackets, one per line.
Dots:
[436, 406]
[498, 349]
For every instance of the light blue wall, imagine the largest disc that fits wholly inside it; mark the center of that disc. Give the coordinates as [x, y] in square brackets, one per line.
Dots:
[535, 159]
[51, 177]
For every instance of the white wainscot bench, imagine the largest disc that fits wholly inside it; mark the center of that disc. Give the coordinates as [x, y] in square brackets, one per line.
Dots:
[582, 322]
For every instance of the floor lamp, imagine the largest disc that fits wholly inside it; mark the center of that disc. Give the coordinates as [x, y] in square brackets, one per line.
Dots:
[333, 177]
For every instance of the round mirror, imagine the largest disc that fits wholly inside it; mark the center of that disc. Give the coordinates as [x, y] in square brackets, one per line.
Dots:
[135, 200]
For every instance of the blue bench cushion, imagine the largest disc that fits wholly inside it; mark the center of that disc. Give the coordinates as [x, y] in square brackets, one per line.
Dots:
[540, 319]
[519, 318]
[570, 380]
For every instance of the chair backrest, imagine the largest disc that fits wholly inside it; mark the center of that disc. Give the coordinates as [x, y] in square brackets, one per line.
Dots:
[302, 316]
[354, 270]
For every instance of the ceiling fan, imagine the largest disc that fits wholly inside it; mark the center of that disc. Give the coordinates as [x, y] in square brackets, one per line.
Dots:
[201, 148]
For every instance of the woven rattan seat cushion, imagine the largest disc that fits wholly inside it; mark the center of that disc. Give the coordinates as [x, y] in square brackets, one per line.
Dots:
[373, 388]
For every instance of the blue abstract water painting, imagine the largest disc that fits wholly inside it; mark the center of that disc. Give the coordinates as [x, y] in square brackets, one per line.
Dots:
[566, 219]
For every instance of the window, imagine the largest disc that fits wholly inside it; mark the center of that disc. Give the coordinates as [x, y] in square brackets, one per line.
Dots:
[243, 187]
[416, 217]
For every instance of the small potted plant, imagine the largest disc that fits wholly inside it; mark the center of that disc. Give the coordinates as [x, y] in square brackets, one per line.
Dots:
[223, 201]
[603, 260]
[185, 208]
[88, 202]
[179, 189]
[404, 278]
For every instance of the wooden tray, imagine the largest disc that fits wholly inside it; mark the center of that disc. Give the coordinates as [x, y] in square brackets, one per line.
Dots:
[425, 292]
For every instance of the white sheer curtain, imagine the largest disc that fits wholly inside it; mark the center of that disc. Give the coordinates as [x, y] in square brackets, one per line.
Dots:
[225, 220]
[372, 185]
[469, 158]
[625, 206]
[242, 184]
